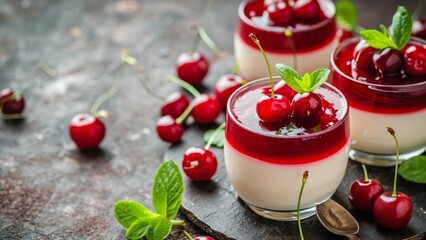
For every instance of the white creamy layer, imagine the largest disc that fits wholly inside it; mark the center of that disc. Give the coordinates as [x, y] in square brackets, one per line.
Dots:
[252, 64]
[369, 134]
[276, 186]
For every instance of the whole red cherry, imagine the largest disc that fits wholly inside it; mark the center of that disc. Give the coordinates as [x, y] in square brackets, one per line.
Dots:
[10, 103]
[225, 86]
[393, 212]
[307, 109]
[307, 11]
[363, 192]
[199, 164]
[192, 67]
[174, 105]
[345, 34]
[389, 61]
[206, 108]
[280, 13]
[363, 55]
[419, 28]
[415, 60]
[273, 109]
[86, 131]
[169, 130]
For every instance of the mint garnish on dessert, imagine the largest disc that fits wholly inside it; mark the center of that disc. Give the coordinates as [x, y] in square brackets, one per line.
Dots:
[167, 196]
[346, 15]
[308, 83]
[401, 32]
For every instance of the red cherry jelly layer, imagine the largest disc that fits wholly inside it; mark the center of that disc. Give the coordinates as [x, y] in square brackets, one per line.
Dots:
[367, 90]
[289, 145]
[305, 37]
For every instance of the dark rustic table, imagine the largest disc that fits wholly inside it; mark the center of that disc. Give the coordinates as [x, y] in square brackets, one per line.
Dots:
[48, 188]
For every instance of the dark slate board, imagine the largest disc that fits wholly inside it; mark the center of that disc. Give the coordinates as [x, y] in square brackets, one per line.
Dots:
[215, 207]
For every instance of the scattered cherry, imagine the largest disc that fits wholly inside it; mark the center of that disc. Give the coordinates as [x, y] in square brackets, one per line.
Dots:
[363, 192]
[307, 11]
[169, 130]
[225, 86]
[363, 55]
[389, 61]
[307, 109]
[419, 28]
[280, 13]
[174, 105]
[11, 103]
[206, 108]
[273, 109]
[415, 60]
[394, 209]
[199, 164]
[192, 67]
[87, 131]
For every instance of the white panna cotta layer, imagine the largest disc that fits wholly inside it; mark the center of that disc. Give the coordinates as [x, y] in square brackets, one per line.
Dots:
[369, 134]
[276, 186]
[252, 64]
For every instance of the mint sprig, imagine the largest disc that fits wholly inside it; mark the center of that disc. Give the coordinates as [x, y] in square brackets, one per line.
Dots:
[167, 198]
[346, 15]
[308, 83]
[414, 169]
[401, 32]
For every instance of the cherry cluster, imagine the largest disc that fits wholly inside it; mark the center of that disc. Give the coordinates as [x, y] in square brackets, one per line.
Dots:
[286, 13]
[389, 62]
[392, 210]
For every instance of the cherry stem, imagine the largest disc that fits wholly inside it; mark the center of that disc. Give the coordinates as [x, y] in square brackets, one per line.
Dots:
[125, 59]
[304, 179]
[289, 34]
[364, 169]
[185, 114]
[11, 116]
[179, 223]
[418, 11]
[271, 82]
[393, 133]
[210, 43]
[187, 235]
[214, 135]
[184, 84]
[50, 71]
[147, 89]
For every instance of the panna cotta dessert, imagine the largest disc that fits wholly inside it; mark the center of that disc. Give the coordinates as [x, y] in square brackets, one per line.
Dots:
[265, 161]
[384, 87]
[313, 34]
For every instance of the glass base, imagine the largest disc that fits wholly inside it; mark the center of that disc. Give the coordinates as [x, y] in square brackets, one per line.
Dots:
[283, 215]
[381, 160]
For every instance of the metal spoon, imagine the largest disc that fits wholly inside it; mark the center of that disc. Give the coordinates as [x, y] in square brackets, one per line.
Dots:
[337, 219]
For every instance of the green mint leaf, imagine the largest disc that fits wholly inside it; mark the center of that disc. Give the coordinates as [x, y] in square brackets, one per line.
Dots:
[290, 76]
[139, 228]
[167, 190]
[414, 169]
[318, 77]
[377, 40]
[401, 27]
[346, 14]
[218, 141]
[160, 230]
[306, 82]
[384, 30]
[127, 212]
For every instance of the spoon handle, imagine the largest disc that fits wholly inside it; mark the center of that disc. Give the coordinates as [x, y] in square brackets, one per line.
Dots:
[352, 237]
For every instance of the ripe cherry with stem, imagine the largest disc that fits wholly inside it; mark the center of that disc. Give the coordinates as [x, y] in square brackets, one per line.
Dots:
[87, 130]
[364, 191]
[12, 103]
[393, 210]
[275, 107]
[200, 164]
[206, 107]
[304, 180]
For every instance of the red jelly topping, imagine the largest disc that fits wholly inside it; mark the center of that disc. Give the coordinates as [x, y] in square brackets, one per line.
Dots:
[305, 37]
[368, 90]
[281, 143]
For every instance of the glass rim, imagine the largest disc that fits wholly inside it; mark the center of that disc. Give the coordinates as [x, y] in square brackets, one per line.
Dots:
[345, 114]
[278, 29]
[376, 85]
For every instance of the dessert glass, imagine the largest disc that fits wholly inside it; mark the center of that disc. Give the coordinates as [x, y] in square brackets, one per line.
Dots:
[313, 43]
[374, 106]
[266, 168]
